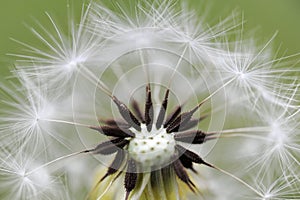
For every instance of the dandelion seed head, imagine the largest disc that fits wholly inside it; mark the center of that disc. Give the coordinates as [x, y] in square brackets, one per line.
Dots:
[279, 144]
[41, 178]
[72, 65]
[15, 172]
[267, 196]
[242, 78]
[100, 72]
[278, 135]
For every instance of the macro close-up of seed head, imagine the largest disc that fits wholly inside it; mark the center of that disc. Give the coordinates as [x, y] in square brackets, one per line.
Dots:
[149, 100]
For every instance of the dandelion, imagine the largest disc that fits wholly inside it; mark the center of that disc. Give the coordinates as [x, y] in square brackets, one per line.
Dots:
[17, 182]
[148, 102]
[281, 145]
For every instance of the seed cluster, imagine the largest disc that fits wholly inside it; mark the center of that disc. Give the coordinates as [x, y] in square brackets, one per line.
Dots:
[142, 142]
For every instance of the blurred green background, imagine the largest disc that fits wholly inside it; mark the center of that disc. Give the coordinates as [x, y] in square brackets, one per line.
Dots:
[266, 16]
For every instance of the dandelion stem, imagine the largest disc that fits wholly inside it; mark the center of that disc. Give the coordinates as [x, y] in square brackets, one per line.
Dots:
[91, 77]
[178, 62]
[54, 161]
[144, 66]
[240, 130]
[65, 122]
[215, 92]
[239, 180]
[235, 135]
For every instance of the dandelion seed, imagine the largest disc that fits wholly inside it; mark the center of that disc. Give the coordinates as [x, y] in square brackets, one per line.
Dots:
[281, 143]
[13, 175]
[64, 57]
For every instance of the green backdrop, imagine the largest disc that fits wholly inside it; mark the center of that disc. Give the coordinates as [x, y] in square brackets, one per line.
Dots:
[266, 16]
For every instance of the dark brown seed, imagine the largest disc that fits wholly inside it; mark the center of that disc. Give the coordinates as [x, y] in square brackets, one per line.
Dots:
[172, 116]
[148, 109]
[182, 174]
[130, 177]
[113, 122]
[191, 155]
[181, 121]
[187, 163]
[192, 137]
[116, 164]
[109, 147]
[113, 131]
[162, 112]
[137, 110]
[127, 114]
[192, 123]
